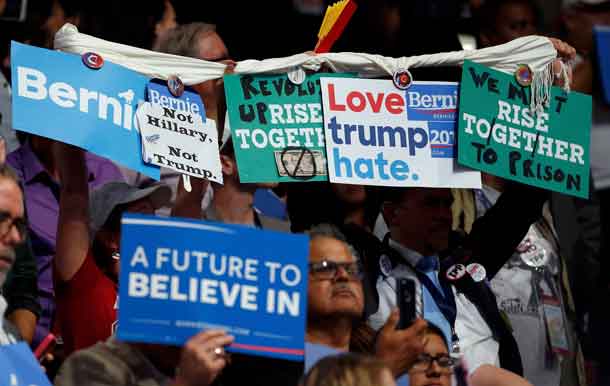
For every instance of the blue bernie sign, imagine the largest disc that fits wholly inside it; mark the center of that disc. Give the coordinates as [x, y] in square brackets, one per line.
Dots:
[189, 101]
[19, 367]
[181, 276]
[602, 41]
[435, 103]
[56, 96]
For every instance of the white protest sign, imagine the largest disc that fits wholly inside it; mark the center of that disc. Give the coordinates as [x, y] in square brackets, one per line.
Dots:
[180, 141]
[377, 134]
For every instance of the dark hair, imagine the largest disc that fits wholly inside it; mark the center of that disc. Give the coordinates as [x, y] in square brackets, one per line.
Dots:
[71, 8]
[345, 370]
[434, 329]
[487, 15]
[123, 21]
[314, 203]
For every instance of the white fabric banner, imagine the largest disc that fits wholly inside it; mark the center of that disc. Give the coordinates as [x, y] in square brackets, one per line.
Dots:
[536, 51]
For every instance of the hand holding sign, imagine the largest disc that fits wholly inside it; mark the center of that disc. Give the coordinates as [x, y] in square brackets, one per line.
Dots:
[203, 358]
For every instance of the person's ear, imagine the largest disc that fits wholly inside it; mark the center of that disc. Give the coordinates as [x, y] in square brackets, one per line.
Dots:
[228, 164]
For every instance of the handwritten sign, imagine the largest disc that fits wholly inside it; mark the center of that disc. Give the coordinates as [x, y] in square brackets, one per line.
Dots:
[181, 276]
[56, 96]
[500, 134]
[379, 135]
[180, 141]
[276, 128]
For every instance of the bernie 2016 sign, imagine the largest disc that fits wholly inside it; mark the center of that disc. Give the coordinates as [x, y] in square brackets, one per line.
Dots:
[180, 276]
[377, 134]
[276, 127]
[500, 134]
[56, 96]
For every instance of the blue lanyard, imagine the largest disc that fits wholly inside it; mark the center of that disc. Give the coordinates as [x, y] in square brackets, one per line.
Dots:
[445, 301]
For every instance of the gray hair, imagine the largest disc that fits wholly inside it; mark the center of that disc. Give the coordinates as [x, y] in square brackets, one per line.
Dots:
[6, 171]
[333, 232]
[184, 39]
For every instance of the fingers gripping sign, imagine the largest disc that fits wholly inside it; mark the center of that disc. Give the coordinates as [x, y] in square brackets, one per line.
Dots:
[203, 358]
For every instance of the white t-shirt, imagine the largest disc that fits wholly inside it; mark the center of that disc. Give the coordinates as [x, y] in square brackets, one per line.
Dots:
[477, 343]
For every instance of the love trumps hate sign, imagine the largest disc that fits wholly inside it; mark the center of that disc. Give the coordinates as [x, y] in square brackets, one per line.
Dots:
[379, 135]
[499, 134]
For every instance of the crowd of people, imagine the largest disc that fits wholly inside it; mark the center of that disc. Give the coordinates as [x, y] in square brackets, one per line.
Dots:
[61, 209]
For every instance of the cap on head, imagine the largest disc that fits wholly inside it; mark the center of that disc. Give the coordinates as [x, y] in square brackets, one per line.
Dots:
[112, 194]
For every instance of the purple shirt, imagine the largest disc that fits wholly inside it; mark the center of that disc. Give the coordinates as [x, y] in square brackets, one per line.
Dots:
[42, 205]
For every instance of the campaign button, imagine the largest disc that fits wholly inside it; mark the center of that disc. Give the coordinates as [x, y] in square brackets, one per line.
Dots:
[455, 272]
[476, 271]
[536, 258]
[175, 86]
[385, 265]
[524, 75]
[296, 75]
[92, 60]
[402, 79]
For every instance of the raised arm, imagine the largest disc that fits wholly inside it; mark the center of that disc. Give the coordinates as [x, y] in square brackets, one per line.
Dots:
[73, 239]
[188, 204]
[495, 236]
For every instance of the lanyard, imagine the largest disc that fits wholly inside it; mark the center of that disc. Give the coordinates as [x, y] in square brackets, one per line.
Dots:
[445, 301]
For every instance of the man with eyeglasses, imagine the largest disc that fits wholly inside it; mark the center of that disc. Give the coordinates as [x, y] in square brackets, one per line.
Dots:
[12, 233]
[335, 300]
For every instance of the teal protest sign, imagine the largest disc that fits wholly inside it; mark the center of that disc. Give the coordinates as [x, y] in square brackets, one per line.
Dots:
[276, 127]
[500, 135]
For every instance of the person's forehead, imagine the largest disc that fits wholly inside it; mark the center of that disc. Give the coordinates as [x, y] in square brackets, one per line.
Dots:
[328, 248]
[416, 194]
[211, 47]
[11, 198]
[435, 344]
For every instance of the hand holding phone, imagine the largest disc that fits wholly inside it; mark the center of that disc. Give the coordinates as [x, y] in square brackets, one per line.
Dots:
[47, 344]
[406, 301]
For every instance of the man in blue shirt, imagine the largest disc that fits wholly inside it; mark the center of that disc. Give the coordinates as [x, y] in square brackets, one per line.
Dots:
[335, 301]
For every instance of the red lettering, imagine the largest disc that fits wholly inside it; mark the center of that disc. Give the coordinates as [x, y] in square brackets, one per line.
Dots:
[361, 101]
[375, 102]
[394, 103]
[356, 101]
[331, 99]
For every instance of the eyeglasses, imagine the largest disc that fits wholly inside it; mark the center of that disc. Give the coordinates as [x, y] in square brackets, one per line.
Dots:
[7, 222]
[424, 361]
[328, 269]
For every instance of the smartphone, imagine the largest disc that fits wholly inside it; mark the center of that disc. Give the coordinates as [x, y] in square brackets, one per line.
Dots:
[45, 346]
[406, 299]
